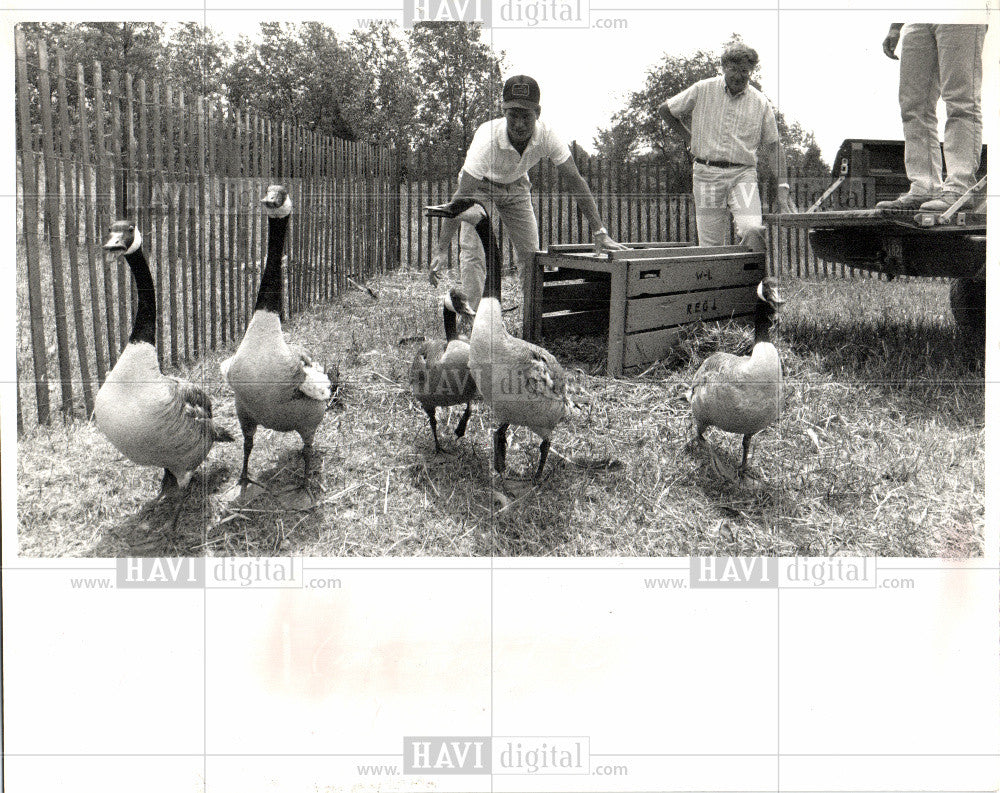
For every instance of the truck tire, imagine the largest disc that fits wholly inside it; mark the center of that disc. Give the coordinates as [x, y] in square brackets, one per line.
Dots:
[968, 305]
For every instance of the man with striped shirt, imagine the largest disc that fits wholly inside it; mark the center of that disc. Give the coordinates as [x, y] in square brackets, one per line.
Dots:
[724, 121]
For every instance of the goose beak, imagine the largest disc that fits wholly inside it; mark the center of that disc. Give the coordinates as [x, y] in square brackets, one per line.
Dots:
[115, 242]
[442, 211]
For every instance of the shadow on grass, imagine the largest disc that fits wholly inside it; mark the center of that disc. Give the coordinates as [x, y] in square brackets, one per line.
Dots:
[520, 518]
[148, 532]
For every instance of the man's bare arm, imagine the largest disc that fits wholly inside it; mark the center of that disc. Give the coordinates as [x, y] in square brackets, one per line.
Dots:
[678, 126]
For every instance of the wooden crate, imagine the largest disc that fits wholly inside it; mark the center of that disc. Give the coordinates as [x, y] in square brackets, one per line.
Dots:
[640, 297]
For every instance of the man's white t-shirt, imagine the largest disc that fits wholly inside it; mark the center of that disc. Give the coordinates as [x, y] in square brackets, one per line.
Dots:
[492, 156]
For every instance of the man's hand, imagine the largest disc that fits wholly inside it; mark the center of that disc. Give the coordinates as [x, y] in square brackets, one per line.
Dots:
[438, 264]
[890, 42]
[603, 242]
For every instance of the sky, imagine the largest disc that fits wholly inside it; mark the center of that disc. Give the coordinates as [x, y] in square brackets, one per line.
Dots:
[822, 67]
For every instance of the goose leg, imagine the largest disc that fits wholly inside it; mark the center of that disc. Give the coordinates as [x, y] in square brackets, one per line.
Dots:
[500, 448]
[249, 429]
[432, 418]
[169, 484]
[462, 422]
[307, 450]
[171, 527]
[746, 452]
[543, 454]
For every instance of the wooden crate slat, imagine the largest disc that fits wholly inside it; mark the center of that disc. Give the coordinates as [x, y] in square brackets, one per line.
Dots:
[695, 272]
[677, 252]
[574, 322]
[588, 247]
[641, 349]
[647, 313]
[571, 274]
[576, 296]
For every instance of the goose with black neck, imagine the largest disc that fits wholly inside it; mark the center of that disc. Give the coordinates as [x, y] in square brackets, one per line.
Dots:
[151, 418]
[522, 383]
[742, 393]
[439, 375]
[277, 385]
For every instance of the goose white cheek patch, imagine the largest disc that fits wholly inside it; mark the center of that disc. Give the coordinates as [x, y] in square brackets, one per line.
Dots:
[136, 243]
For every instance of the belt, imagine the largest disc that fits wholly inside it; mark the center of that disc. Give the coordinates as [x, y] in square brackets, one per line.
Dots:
[721, 163]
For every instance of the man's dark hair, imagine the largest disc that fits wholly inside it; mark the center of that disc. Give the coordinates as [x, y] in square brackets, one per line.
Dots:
[738, 52]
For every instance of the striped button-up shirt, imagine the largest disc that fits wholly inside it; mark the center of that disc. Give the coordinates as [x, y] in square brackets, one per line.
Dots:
[725, 127]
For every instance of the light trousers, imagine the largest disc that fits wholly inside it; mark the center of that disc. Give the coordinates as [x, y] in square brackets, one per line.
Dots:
[946, 62]
[512, 205]
[721, 192]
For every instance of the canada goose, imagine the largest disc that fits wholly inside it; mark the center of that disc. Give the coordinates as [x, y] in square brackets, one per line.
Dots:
[439, 376]
[522, 382]
[742, 393]
[276, 385]
[150, 418]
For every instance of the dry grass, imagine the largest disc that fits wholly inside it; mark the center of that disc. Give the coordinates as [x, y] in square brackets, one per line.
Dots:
[880, 450]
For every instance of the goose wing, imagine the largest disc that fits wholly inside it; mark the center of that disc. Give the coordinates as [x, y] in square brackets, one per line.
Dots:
[717, 368]
[540, 372]
[195, 409]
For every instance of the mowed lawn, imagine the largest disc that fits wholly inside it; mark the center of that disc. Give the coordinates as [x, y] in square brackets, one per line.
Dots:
[879, 450]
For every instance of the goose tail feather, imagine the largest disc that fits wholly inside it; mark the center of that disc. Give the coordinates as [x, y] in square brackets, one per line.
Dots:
[316, 385]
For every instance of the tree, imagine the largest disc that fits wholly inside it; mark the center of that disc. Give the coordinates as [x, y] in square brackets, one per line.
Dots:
[299, 73]
[637, 129]
[133, 47]
[193, 57]
[458, 82]
[385, 103]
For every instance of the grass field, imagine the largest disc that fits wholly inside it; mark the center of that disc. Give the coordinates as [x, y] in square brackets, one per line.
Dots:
[880, 450]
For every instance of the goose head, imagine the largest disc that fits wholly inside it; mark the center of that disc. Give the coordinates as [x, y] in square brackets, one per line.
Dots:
[456, 302]
[768, 292]
[277, 202]
[124, 238]
[467, 210]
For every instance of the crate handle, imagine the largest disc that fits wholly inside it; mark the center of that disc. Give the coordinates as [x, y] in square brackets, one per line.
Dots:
[649, 274]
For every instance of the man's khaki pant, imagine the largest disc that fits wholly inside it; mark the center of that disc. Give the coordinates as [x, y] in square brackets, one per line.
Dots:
[943, 61]
[512, 205]
[721, 192]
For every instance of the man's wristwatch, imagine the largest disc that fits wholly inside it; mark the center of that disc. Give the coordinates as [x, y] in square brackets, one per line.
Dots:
[601, 230]
[785, 185]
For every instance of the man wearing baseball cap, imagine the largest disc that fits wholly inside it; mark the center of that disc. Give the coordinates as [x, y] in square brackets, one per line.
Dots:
[496, 172]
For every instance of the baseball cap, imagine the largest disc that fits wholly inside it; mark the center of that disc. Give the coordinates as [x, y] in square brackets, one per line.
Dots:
[521, 91]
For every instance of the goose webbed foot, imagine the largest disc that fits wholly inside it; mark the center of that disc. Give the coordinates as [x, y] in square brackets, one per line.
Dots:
[170, 527]
[244, 481]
